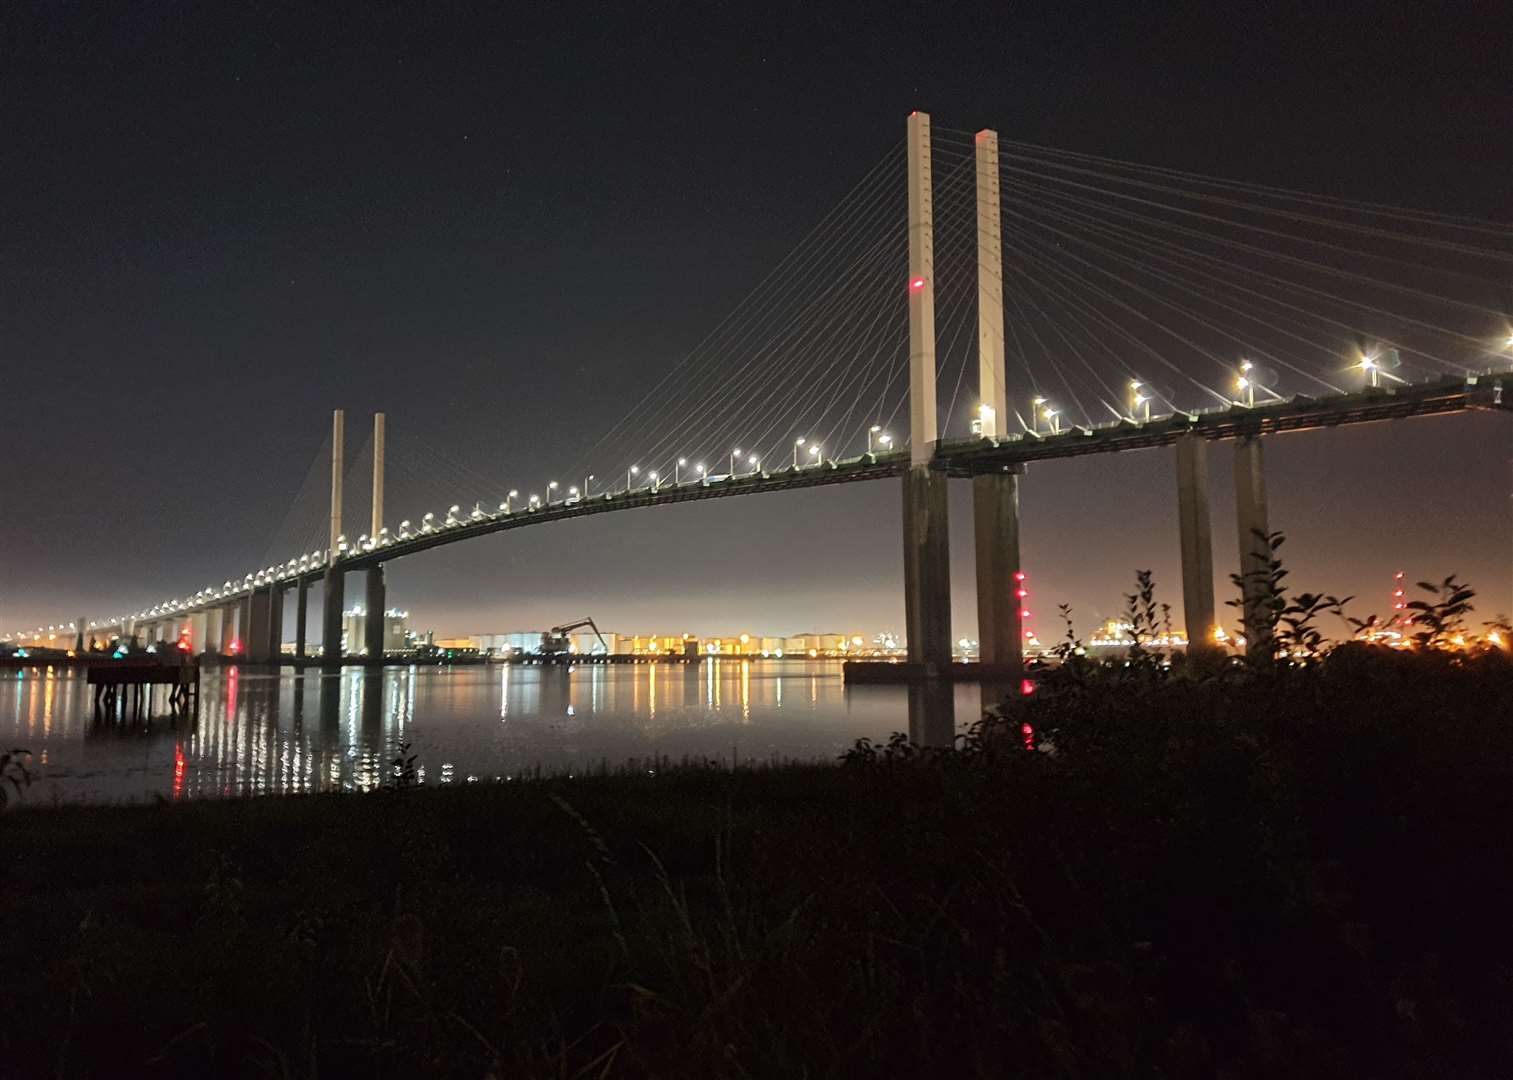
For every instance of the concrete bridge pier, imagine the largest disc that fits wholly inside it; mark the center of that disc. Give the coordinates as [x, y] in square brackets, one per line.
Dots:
[927, 569]
[275, 623]
[373, 624]
[995, 518]
[1197, 543]
[330, 615]
[301, 609]
[215, 634]
[1255, 545]
[228, 628]
[199, 632]
[255, 641]
[244, 625]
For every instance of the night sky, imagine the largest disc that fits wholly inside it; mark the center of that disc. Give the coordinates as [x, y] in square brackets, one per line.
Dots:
[218, 222]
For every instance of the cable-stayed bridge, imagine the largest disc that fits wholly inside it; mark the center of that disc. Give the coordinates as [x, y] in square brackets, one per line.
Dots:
[971, 305]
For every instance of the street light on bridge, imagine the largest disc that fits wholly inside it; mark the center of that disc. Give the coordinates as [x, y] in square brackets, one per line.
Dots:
[655, 481]
[677, 471]
[796, 444]
[630, 478]
[1246, 384]
[550, 487]
[1373, 372]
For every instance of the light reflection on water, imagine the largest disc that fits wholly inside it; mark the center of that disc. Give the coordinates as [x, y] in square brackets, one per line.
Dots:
[262, 732]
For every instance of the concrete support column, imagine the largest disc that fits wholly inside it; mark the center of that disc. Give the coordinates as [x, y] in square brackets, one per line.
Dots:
[215, 620]
[1255, 544]
[995, 519]
[373, 623]
[228, 628]
[330, 615]
[1197, 542]
[275, 623]
[244, 624]
[927, 567]
[255, 641]
[199, 632]
[302, 604]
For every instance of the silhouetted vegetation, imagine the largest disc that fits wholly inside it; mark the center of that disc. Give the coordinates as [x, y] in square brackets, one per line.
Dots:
[1145, 868]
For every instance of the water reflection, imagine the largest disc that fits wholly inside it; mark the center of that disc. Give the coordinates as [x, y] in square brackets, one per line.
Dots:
[932, 714]
[263, 732]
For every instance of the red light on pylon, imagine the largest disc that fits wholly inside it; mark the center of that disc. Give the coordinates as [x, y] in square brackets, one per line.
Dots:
[1022, 593]
[917, 285]
[234, 647]
[1024, 613]
[1018, 575]
[1027, 687]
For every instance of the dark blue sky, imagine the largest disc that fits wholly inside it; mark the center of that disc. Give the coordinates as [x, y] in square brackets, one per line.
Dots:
[218, 223]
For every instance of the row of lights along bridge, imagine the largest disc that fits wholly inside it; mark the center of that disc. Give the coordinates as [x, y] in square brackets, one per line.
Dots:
[1373, 366]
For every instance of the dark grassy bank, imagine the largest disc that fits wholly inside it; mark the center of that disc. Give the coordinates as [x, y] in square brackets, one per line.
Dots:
[1302, 873]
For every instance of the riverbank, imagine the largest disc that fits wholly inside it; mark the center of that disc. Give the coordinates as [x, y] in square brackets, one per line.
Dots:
[1300, 875]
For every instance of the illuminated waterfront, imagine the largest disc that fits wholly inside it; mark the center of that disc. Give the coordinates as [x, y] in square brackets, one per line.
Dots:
[263, 733]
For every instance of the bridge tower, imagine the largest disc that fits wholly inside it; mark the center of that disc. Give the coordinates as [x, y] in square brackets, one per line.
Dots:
[335, 581]
[995, 495]
[927, 556]
[375, 593]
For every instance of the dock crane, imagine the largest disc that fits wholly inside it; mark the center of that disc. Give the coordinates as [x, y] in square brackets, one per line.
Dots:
[554, 641]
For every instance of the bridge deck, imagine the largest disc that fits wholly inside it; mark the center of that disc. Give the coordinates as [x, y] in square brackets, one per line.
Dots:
[972, 457]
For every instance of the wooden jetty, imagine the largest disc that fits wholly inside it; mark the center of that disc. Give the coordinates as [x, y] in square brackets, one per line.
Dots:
[126, 686]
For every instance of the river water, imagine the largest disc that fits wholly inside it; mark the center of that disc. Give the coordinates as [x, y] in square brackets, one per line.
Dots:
[261, 731]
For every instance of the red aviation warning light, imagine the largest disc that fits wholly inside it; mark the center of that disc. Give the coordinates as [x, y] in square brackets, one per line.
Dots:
[917, 285]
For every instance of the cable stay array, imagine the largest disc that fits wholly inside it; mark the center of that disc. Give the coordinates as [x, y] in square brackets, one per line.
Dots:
[1137, 287]
[1131, 293]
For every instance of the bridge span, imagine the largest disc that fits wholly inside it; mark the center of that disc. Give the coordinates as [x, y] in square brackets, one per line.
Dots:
[1033, 202]
[257, 601]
